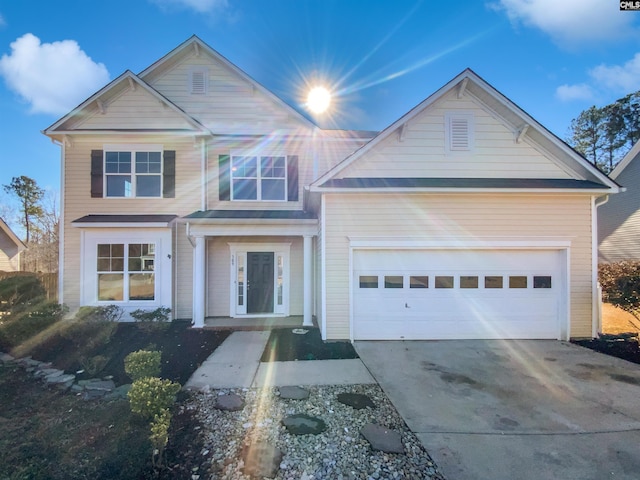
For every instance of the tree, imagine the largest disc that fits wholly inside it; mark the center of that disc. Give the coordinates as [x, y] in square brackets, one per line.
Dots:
[604, 135]
[29, 194]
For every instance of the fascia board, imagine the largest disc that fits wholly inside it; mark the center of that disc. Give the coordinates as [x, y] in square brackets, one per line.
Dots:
[590, 191]
[626, 160]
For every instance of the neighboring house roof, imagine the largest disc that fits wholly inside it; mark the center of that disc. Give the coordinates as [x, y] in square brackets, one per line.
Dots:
[626, 160]
[12, 236]
[521, 123]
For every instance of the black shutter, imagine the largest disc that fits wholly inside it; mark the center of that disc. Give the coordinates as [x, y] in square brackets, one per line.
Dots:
[224, 177]
[169, 174]
[96, 173]
[292, 178]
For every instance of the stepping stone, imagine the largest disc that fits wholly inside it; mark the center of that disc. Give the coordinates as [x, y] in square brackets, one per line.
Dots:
[101, 385]
[382, 438]
[261, 460]
[303, 424]
[356, 400]
[294, 393]
[229, 403]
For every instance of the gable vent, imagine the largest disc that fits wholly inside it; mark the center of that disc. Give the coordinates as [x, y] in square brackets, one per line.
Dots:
[198, 82]
[459, 132]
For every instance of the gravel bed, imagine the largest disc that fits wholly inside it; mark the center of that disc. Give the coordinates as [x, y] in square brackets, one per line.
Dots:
[340, 452]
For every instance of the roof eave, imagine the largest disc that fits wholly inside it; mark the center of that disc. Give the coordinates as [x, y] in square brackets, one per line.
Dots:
[589, 191]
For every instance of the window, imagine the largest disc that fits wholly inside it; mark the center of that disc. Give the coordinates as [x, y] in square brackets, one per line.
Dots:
[492, 282]
[259, 178]
[419, 282]
[518, 281]
[368, 281]
[126, 271]
[133, 173]
[393, 281]
[459, 132]
[542, 282]
[468, 282]
[444, 282]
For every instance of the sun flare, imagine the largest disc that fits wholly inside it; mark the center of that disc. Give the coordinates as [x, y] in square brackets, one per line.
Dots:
[319, 99]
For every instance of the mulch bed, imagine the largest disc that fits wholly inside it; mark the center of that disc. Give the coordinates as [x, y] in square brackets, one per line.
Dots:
[284, 346]
[183, 350]
[620, 347]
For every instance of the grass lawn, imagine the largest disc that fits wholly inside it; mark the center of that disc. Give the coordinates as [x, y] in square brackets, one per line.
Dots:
[47, 434]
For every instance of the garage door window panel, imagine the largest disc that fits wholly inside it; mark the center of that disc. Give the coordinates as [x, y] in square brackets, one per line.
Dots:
[542, 281]
[418, 281]
[468, 282]
[493, 281]
[368, 281]
[443, 281]
[393, 281]
[517, 281]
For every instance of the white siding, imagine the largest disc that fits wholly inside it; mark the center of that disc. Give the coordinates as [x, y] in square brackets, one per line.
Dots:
[422, 151]
[457, 218]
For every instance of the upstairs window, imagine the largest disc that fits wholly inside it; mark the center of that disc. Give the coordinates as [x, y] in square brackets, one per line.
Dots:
[132, 173]
[259, 178]
[459, 132]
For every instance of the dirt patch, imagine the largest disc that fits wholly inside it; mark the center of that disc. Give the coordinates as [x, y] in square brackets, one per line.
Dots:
[284, 345]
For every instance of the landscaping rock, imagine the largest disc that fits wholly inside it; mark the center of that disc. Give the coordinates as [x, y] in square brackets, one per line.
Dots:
[119, 392]
[48, 372]
[356, 400]
[382, 438]
[101, 385]
[60, 378]
[229, 403]
[303, 424]
[6, 358]
[93, 394]
[294, 393]
[29, 362]
[261, 460]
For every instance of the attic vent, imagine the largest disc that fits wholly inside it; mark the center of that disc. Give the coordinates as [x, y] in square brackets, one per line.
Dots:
[459, 132]
[198, 81]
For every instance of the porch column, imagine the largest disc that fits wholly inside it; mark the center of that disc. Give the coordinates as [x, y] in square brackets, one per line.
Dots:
[198, 282]
[308, 276]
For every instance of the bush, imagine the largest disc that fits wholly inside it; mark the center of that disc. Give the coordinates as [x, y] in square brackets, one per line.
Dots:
[150, 396]
[160, 314]
[142, 364]
[94, 365]
[89, 335]
[49, 310]
[159, 436]
[106, 313]
[19, 292]
[18, 327]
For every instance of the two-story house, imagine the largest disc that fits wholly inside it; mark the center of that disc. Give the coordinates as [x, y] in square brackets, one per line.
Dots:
[191, 186]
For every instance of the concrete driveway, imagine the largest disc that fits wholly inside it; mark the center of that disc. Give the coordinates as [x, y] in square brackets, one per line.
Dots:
[505, 410]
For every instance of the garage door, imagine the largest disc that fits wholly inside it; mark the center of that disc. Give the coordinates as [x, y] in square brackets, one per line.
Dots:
[458, 294]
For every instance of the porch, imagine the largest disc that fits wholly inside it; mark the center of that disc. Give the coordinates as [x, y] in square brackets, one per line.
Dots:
[256, 323]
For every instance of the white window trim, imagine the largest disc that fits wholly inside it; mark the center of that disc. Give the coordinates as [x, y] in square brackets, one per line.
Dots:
[205, 86]
[450, 117]
[132, 148]
[259, 178]
[162, 266]
[241, 249]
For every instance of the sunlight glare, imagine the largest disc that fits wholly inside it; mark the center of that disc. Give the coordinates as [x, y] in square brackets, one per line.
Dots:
[319, 99]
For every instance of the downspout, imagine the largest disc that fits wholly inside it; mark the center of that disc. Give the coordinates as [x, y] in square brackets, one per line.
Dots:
[61, 223]
[596, 314]
[203, 173]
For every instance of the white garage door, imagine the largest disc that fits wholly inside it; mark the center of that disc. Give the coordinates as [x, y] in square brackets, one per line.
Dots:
[458, 294]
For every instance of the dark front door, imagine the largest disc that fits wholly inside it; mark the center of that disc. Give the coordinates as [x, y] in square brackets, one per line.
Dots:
[260, 282]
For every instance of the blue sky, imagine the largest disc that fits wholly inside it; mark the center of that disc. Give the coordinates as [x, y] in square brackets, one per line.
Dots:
[552, 58]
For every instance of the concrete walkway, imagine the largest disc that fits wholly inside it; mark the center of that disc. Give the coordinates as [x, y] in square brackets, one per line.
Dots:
[236, 364]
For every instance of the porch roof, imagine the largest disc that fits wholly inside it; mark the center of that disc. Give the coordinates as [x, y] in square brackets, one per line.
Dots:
[100, 220]
[250, 215]
[251, 223]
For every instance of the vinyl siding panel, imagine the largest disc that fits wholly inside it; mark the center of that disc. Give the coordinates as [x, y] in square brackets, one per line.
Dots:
[78, 201]
[9, 254]
[231, 105]
[456, 217]
[619, 219]
[183, 273]
[422, 151]
[135, 109]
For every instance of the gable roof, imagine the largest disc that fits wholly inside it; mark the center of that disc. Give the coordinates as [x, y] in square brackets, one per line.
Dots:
[196, 43]
[12, 236]
[469, 83]
[626, 160]
[95, 102]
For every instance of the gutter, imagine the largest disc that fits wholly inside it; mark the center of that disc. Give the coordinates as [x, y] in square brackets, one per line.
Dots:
[596, 314]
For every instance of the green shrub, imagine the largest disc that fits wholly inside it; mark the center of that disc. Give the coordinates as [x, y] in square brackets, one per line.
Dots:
[19, 327]
[143, 363]
[160, 314]
[150, 396]
[19, 292]
[103, 313]
[159, 436]
[49, 310]
[89, 335]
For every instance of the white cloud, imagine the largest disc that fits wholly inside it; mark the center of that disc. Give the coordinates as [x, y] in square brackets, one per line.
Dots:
[571, 22]
[200, 6]
[52, 77]
[620, 78]
[567, 93]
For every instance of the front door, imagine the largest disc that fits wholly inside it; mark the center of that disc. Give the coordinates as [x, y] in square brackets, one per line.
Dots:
[260, 282]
